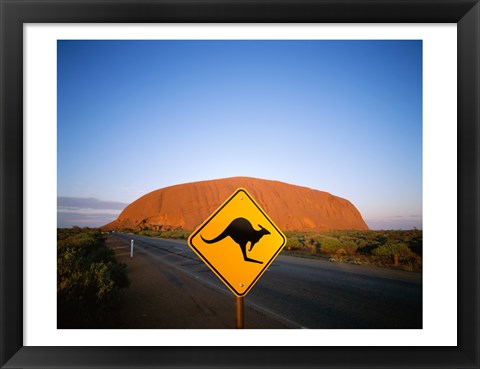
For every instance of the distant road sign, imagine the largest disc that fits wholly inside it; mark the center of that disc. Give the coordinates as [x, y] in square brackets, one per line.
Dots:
[238, 242]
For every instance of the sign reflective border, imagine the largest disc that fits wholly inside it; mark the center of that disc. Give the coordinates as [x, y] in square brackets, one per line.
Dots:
[238, 242]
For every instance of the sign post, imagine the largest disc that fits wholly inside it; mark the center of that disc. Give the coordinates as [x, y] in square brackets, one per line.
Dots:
[131, 249]
[239, 312]
[238, 242]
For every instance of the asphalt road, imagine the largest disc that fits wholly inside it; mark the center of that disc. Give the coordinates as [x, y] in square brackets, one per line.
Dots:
[306, 293]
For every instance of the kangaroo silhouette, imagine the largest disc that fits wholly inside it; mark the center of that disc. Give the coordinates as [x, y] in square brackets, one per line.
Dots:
[242, 232]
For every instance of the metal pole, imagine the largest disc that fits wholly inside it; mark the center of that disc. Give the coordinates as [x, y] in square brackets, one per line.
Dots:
[131, 249]
[239, 312]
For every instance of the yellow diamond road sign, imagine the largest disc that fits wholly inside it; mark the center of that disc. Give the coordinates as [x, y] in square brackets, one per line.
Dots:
[238, 242]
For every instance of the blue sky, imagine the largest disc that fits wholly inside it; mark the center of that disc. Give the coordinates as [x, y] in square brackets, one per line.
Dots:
[338, 116]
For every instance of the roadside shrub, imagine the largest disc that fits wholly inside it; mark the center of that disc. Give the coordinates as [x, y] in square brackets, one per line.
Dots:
[331, 245]
[372, 246]
[174, 234]
[391, 248]
[368, 247]
[293, 243]
[89, 280]
[416, 242]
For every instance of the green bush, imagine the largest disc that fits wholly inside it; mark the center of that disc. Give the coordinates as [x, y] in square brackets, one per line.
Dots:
[378, 247]
[293, 243]
[89, 279]
[331, 245]
[175, 234]
[392, 247]
[367, 247]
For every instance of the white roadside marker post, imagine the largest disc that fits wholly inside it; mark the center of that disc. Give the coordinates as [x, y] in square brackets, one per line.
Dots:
[131, 249]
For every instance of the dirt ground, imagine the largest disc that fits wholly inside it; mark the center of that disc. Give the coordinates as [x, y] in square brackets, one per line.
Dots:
[161, 297]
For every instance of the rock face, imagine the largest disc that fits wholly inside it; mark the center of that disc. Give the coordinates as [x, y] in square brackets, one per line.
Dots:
[291, 207]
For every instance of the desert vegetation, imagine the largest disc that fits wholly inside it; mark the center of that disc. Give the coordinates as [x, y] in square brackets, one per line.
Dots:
[400, 249]
[178, 233]
[89, 279]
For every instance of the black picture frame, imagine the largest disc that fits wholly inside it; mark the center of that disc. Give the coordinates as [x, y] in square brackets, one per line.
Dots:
[14, 13]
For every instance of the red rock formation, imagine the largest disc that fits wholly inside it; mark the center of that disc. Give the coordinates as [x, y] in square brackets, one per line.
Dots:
[290, 207]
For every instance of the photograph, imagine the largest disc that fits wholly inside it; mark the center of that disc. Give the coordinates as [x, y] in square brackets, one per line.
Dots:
[239, 184]
[279, 177]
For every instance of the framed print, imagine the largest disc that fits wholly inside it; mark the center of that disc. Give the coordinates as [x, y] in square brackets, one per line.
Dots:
[65, 64]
